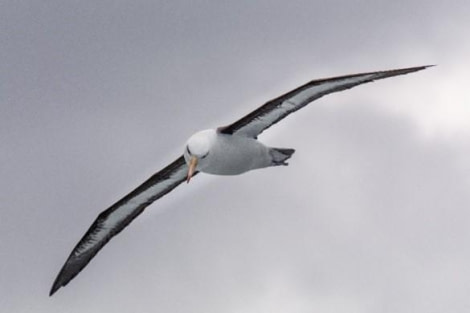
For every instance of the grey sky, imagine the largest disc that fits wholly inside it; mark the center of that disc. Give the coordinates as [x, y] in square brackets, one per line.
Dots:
[370, 216]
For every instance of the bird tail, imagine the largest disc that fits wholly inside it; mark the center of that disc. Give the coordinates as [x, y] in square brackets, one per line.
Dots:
[280, 155]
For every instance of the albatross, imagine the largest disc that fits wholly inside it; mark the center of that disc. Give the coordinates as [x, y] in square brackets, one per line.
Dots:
[228, 150]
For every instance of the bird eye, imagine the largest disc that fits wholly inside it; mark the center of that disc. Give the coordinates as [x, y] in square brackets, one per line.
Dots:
[205, 155]
[187, 149]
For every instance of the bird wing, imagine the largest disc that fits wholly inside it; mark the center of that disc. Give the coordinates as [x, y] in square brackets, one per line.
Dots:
[111, 221]
[275, 110]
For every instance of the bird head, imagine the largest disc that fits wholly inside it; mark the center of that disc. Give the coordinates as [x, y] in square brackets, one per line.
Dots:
[197, 149]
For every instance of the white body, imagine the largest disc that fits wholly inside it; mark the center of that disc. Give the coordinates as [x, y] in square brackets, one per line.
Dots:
[226, 154]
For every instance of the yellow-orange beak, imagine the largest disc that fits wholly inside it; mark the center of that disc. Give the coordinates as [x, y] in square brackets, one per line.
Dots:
[192, 168]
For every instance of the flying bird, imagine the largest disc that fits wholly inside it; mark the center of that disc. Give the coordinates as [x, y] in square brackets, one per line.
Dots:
[229, 150]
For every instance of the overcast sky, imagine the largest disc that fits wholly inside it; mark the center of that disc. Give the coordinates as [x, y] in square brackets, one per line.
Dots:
[371, 215]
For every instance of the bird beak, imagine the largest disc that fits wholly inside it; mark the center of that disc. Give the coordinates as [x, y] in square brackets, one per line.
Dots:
[192, 168]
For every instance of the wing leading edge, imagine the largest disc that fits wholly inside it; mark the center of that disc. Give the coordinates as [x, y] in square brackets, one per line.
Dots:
[113, 220]
[275, 110]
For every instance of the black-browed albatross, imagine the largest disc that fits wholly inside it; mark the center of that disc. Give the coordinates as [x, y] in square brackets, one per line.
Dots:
[229, 150]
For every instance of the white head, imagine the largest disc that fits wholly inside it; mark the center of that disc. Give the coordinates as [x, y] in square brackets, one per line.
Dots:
[197, 149]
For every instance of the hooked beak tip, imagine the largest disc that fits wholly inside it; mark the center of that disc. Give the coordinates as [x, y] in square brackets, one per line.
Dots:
[192, 168]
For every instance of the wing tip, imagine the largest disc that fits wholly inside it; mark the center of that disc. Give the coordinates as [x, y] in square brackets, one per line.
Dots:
[422, 67]
[61, 280]
[53, 290]
[56, 286]
[408, 69]
[66, 274]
